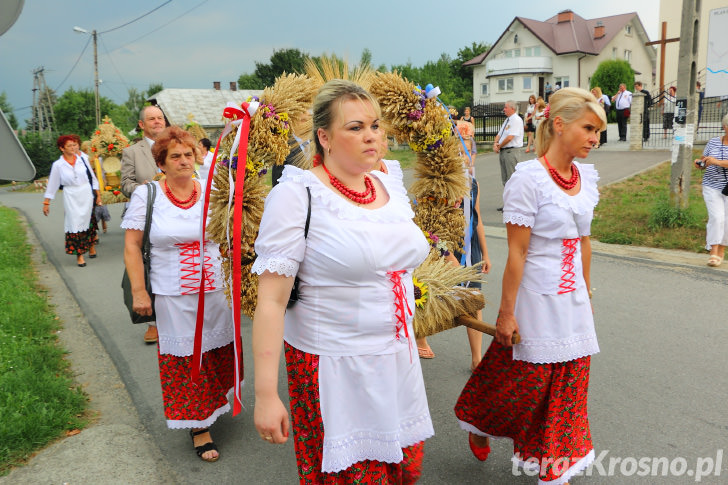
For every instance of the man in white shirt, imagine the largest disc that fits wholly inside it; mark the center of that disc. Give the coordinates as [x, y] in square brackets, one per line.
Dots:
[622, 102]
[509, 141]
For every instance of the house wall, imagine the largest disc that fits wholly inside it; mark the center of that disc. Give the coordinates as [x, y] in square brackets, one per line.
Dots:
[671, 12]
[566, 65]
[525, 40]
[641, 61]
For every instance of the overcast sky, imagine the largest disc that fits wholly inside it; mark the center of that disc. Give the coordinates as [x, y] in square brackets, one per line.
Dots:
[191, 43]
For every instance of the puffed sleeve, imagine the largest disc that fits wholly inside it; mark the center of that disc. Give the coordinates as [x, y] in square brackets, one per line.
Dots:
[520, 201]
[136, 214]
[281, 244]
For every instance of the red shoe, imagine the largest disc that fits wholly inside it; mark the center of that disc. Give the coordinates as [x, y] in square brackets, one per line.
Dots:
[481, 453]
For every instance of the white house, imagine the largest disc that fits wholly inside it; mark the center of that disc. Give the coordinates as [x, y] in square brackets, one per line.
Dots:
[565, 49]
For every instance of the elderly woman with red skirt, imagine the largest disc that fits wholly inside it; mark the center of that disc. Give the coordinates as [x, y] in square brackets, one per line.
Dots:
[535, 392]
[175, 272]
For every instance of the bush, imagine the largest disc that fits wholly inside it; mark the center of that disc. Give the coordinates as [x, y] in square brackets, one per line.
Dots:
[667, 216]
[610, 74]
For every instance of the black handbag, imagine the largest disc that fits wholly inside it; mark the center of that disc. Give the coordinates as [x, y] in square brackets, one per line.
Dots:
[294, 291]
[125, 282]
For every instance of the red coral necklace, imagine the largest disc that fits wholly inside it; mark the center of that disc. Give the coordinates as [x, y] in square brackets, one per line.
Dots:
[182, 204]
[366, 197]
[561, 181]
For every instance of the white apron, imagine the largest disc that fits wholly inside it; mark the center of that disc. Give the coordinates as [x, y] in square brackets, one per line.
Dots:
[77, 204]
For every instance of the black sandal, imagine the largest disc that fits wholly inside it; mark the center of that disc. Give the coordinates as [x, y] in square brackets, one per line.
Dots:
[202, 449]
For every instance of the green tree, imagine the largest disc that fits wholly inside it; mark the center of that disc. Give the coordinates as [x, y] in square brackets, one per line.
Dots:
[366, 57]
[153, 89]
[7, 109]
[250, 81]
[75, 112]
[610, 74]
[284, 60]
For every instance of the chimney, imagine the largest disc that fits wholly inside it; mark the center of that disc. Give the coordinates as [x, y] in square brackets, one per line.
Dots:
[599, 30]
[216, 85]
[233, 86]
[565, 16]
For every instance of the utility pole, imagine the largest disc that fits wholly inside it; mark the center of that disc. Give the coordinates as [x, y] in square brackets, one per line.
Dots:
[685, 111]
[43, 119]
[94, 35]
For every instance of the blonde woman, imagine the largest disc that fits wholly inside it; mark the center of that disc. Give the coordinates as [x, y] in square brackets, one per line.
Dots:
[357, 397]
[535, 392]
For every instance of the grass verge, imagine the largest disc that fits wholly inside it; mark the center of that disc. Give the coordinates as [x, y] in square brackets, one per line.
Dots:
[637, 212]
[39, 401]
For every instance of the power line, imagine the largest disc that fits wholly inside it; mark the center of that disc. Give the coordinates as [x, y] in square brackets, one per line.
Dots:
[161, 26]
[114, 65]
[74, 64]
[132, 21]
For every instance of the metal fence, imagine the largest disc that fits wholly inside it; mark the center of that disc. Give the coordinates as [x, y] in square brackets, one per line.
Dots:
[488, 120]
[661, 124]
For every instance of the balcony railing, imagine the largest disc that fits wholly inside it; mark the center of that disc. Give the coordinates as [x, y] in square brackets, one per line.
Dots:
[515, 65]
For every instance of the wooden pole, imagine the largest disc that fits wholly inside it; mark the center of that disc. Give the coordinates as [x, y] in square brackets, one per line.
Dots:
[488, 328]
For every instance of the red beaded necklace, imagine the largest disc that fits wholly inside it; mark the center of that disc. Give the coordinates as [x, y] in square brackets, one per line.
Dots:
[561, 181]
[182, 204]
[366, 197]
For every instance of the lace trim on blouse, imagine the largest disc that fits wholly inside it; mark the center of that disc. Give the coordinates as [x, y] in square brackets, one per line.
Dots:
[369, 445]
[391, 212]
[275, 264]
[518, 219]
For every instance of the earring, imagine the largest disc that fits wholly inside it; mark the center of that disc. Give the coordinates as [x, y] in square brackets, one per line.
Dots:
[328, 150]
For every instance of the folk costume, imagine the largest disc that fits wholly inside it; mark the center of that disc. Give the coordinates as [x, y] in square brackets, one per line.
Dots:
[536, 392]
[350, 334]
[78, 182]
[175, 273]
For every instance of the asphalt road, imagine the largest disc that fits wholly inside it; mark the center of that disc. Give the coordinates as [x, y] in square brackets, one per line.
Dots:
[658, 386]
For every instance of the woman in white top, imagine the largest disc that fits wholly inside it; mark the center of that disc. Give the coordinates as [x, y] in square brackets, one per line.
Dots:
[80, 190]
[356, 391]
[175, 272]
[548, 208]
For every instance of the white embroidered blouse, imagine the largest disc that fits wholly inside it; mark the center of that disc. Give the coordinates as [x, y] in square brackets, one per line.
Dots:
[552, 307]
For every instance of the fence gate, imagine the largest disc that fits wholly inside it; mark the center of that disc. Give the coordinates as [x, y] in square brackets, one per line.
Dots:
[488, 120]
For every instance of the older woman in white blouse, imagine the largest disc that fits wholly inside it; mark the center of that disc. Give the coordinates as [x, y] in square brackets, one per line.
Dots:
[80, 187]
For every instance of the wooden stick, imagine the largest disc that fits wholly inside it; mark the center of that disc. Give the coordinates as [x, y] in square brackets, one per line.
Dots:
[481, 326]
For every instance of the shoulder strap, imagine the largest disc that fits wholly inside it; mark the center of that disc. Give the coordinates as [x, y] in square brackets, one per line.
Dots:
[308, 213]
[151, 195]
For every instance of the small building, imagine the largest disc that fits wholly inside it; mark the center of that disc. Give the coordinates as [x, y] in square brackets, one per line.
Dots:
[202, 106]
[565, 50]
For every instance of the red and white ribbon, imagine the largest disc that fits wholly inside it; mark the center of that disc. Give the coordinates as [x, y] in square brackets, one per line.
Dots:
[240, 117]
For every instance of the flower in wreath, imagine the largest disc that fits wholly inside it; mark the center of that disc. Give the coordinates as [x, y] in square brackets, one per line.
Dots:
[421, 292]
[107, 140]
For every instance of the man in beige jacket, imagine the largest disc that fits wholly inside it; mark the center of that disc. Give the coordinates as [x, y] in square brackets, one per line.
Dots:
[138, 167]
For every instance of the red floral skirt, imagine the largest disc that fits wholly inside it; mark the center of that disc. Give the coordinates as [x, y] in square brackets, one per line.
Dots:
[308, 434]
[186, 401]
[541, 407]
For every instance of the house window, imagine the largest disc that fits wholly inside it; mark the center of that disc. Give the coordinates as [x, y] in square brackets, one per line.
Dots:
[562, 81]
[484, 89]
[628, 30]
[527, 83]
[532, 51]
[614, 52]
[505, 84]
[627, 55]
[512, 53]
